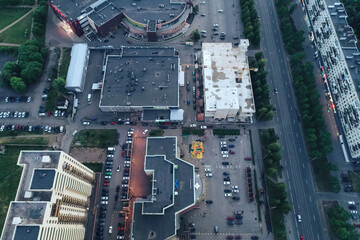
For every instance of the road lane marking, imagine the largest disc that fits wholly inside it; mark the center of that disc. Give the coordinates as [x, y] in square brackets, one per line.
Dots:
[310, 199]
[297, 135]
[299, 149]
[306, 182]
[303, 165]
[314, 217]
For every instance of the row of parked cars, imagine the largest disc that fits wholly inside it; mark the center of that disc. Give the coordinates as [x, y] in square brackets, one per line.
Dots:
[18, 99]
[37, 128]
[16, 114]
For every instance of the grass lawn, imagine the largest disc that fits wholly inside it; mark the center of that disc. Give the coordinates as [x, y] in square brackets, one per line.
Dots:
[225, 132]
[18, 33]
[355, 180]
[276, 216]
[9, 15]
[95, 138]
[64, 65]
[96, 167]
[10, 174]
[25, 140]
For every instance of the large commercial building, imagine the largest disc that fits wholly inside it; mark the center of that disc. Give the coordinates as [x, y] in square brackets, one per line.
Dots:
[79, 58]
[141, 78]
[52, 198]
[336, 42]
[173, 192]
[101, 15]
[227, 85]
[144, 19]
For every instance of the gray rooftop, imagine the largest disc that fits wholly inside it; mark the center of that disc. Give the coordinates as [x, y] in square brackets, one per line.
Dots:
[150, 10]
[33, 176]
[72, 9]
[142, 77]
[27, 233]
[104, 13]
[43, 179]
[347, 39]
[163, 182]
[150, 114]
[22, 216]
[150, 226]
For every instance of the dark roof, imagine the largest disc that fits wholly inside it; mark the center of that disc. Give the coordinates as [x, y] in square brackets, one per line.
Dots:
[163, 226]
[104, 13]
[151, 115]
[151, 27]
[43, 179]
[150, 10]
[72, 9]
[163, 182]
[143, 77]
[27, 233]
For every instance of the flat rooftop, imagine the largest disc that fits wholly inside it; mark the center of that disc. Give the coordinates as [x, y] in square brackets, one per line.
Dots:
[150, 226]
[37, 174]
[24, 216]
[151, 10]
[162, 185]
[104, 14]
[72, 9]
[347, 39]
[141, 77]
[43, 179]
[223, 65]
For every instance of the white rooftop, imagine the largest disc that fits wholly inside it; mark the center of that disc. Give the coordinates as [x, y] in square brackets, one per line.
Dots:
[77, 64]
[222, 65]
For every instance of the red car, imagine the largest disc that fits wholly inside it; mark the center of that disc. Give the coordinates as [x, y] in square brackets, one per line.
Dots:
[230, 237]
[106, 184]
[231, 152]
[106, 181]
[123, 154]
[302, 238]
[112, 123]
[230, 218]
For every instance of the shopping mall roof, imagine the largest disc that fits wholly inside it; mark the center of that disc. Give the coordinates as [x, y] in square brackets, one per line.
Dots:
[104, 14]
[141, 77]
[175, 180]
[223, 66]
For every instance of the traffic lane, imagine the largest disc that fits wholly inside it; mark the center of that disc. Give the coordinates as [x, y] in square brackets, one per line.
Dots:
[276, 57]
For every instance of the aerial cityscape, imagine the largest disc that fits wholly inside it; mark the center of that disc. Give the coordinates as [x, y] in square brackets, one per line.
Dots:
[179, 119]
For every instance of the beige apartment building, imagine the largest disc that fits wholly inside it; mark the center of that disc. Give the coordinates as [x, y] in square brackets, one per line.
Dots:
[52, 200]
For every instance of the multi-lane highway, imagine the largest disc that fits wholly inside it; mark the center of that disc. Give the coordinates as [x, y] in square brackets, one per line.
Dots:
[297, 172]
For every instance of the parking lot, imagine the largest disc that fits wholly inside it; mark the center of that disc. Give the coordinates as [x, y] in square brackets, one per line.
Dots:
[218, 168]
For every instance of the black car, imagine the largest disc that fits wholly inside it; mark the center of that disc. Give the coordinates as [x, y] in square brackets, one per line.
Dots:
[226, 173]
[125, 181]
[224, 149]
[254, 237]
[226, 178]
[209, 201]
[230, 223]
[104, 122]
[237, 198]
[225, 163]
[227, 191]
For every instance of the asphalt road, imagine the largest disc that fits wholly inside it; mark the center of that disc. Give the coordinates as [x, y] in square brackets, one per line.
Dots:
[297, 171]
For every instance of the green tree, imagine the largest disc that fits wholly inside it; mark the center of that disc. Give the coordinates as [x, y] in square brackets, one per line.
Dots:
[196, 35]
[18, 84]
[32, 72]
[38, 28]
[59, 84]
[11, 69]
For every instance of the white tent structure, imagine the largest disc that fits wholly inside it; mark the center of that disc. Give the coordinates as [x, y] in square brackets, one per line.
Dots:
[75, 79]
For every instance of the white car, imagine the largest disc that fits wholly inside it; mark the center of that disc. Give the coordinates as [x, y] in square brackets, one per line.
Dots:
[15, 114]
[208, 174]
[223, 143]
[110, 229]
[225, 155]
[353, 211]
[235, 191]
[145, 131]
[226, 183]
[203, 14]
[61, 129]
[124, 185]
[228, 194]
[107, 176]
[104, 198]
[224, 152]
[220, 11]
[351, 203]
[299, 218]
[3, 127]
[207, 169]
[203, 31]
[110, 155]
[74, 132]
[86, 123]
[203, 127]
[203, 2]
[193, 125]
[104, 202]
[118, 169]
[216, 25]
[235, 187]
[126, 178]
[127, 162]
[120, 237]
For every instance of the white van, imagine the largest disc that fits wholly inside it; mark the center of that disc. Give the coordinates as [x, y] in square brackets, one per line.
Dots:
[89, 98]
